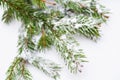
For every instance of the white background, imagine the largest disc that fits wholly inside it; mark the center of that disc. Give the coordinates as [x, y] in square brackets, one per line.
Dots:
[103, 55]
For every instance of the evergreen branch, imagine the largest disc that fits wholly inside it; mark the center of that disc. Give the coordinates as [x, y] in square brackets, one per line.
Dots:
[92, 33]
[18, 7]
[44, 42]
[54, 23]
[49, 68]
[17, 70]
[8, 16]
[25, 44]
[32, 30]
[86, 26]
[72, 57]
[88, 9]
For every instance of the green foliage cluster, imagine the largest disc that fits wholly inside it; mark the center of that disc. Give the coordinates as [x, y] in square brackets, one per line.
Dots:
[54, 22]
[49, 68]
[18, 71]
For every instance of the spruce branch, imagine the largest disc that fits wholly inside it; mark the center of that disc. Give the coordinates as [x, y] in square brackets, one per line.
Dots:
[87, 8]
[25, 44]
[18, 71]
[92, 33]
[8, 16]
[86, 26]
[17, 9]
[73, 57]
[55, 23]
[44, 42]
[46, 66]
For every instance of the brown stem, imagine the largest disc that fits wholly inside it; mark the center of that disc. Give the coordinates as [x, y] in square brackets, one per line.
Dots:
[12, 69]
[43, 35]
[23, 68]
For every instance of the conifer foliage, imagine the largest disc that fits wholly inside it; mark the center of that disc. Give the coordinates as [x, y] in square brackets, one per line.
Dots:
[52, 23]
